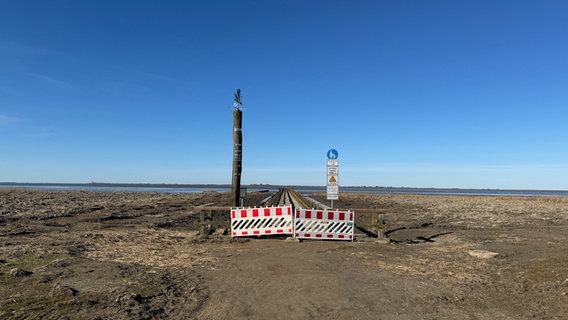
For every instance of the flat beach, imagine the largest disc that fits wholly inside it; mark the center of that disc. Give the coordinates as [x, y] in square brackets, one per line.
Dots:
[126, 255]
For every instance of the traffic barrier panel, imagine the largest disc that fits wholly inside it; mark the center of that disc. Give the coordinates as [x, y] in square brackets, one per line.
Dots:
[262, 221]
[324, 224]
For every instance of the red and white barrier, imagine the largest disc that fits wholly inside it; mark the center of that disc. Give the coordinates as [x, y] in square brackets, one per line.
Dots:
[262, 221]
[324, 224]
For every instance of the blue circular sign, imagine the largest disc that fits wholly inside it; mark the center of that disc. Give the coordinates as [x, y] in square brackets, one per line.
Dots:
[332, 154]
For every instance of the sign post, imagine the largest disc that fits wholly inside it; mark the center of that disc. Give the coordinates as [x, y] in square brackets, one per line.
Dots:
[332, 181]
[237, 149]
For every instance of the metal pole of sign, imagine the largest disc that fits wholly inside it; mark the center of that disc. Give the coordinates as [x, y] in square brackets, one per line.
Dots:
[294, 223]
[353, 227]
[332, 204]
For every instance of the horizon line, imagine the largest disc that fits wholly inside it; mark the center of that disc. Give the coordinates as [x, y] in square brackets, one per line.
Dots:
[185, 185]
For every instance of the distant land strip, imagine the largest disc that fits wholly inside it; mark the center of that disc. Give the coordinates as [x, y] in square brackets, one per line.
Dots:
[259, 186]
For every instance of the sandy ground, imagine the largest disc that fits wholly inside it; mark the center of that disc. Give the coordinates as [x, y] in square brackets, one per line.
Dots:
[86, 255]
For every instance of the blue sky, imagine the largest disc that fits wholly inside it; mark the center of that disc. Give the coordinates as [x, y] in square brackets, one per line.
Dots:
[466, 94]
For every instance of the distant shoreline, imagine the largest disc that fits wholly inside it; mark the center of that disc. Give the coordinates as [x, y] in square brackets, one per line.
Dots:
[264, 186]
[104, 184]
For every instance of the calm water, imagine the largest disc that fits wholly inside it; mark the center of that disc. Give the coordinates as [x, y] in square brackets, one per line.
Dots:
[304, 190]
[112, 188]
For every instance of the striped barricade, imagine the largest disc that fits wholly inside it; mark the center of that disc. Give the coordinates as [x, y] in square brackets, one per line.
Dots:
[262, 221]
[324, 224]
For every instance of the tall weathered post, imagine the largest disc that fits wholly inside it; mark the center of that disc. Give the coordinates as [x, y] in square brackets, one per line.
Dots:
[237, 148]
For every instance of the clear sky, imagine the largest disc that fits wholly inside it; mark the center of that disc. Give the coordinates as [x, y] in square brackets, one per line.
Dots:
[466, 94]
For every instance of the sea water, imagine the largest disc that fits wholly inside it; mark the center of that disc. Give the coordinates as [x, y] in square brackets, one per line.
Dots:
[301, 189]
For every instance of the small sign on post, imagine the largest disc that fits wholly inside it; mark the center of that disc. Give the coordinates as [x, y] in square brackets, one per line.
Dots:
[332, 181]
[243, 195]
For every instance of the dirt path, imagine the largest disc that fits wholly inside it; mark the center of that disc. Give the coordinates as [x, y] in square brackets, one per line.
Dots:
[330, 280]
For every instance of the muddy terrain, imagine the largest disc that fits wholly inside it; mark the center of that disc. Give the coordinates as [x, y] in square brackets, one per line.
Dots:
[117, 255]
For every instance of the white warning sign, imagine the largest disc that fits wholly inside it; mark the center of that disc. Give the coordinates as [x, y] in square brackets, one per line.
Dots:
[332, 182]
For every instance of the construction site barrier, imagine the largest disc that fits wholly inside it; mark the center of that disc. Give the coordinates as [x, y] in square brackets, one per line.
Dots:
[262, 221]
[324, 224]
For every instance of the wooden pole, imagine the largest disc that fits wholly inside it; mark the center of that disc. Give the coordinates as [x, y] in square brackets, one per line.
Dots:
[237, 155]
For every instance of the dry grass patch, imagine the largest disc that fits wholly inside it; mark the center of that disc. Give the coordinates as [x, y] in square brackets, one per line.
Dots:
[150, 247]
